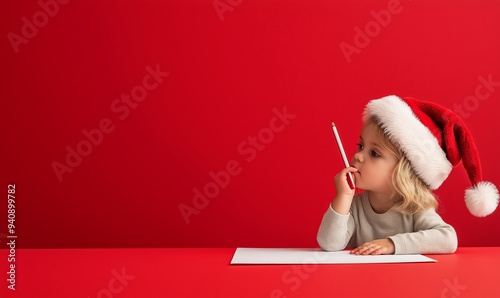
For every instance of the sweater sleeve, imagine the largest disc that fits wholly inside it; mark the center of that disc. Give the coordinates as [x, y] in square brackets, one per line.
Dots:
[335, 230]
[432, 235]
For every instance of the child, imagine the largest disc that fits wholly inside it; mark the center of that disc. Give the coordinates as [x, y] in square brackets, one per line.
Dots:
[407, 148]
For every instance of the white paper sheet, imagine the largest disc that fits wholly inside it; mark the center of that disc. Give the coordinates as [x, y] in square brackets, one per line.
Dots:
[315, 256]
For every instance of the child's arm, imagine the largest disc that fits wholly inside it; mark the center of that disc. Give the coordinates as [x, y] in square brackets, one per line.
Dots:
[337, 225]
[335, 230]
[432, 235]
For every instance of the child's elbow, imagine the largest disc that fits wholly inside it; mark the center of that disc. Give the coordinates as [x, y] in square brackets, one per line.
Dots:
[451, 244]
[328, 245]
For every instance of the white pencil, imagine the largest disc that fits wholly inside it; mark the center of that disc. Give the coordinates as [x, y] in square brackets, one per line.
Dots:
[350, 180]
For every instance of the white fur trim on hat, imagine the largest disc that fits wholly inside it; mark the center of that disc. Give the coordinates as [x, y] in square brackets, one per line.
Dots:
[482, 199]
[416, 141]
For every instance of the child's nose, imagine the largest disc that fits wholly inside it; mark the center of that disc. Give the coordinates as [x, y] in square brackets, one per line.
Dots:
[357, 157]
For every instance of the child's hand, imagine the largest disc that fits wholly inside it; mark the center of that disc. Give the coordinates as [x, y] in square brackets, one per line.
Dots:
[342, 201]
[341, 184]
[375, 247]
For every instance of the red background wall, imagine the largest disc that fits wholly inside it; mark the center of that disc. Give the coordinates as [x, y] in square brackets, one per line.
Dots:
[231, 66]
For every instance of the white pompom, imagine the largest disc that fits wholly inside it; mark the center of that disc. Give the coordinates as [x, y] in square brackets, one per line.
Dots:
[482, 199]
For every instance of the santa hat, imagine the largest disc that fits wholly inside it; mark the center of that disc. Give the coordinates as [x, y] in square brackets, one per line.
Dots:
[434, 140]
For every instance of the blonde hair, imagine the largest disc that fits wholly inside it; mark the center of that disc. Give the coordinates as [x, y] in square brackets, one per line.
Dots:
[411, 193]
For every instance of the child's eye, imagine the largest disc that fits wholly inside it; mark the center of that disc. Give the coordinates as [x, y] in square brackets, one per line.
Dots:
[374, 153]
[360, 147]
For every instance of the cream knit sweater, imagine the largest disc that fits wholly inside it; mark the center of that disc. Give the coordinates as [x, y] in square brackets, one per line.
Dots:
[424, 232]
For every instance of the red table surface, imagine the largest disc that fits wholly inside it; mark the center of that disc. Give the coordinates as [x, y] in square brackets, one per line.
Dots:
[206, 272]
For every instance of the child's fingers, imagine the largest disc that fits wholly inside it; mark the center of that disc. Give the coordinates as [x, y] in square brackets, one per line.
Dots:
[363, 249]
[379, 251]
[375, 247]
[349, 170]
[370, 250]
[344, 171]
[342, 176]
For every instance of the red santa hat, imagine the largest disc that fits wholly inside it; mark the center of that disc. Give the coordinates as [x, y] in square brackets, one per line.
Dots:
[434, 139]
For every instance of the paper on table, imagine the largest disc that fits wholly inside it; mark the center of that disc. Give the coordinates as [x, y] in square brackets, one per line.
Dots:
[315, 256]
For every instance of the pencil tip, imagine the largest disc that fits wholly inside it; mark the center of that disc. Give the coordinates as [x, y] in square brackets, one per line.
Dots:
[333, 124]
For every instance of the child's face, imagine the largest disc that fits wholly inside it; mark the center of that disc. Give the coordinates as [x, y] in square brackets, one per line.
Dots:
[374, 163]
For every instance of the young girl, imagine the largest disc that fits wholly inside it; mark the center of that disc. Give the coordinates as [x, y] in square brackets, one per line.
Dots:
[407, 148]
